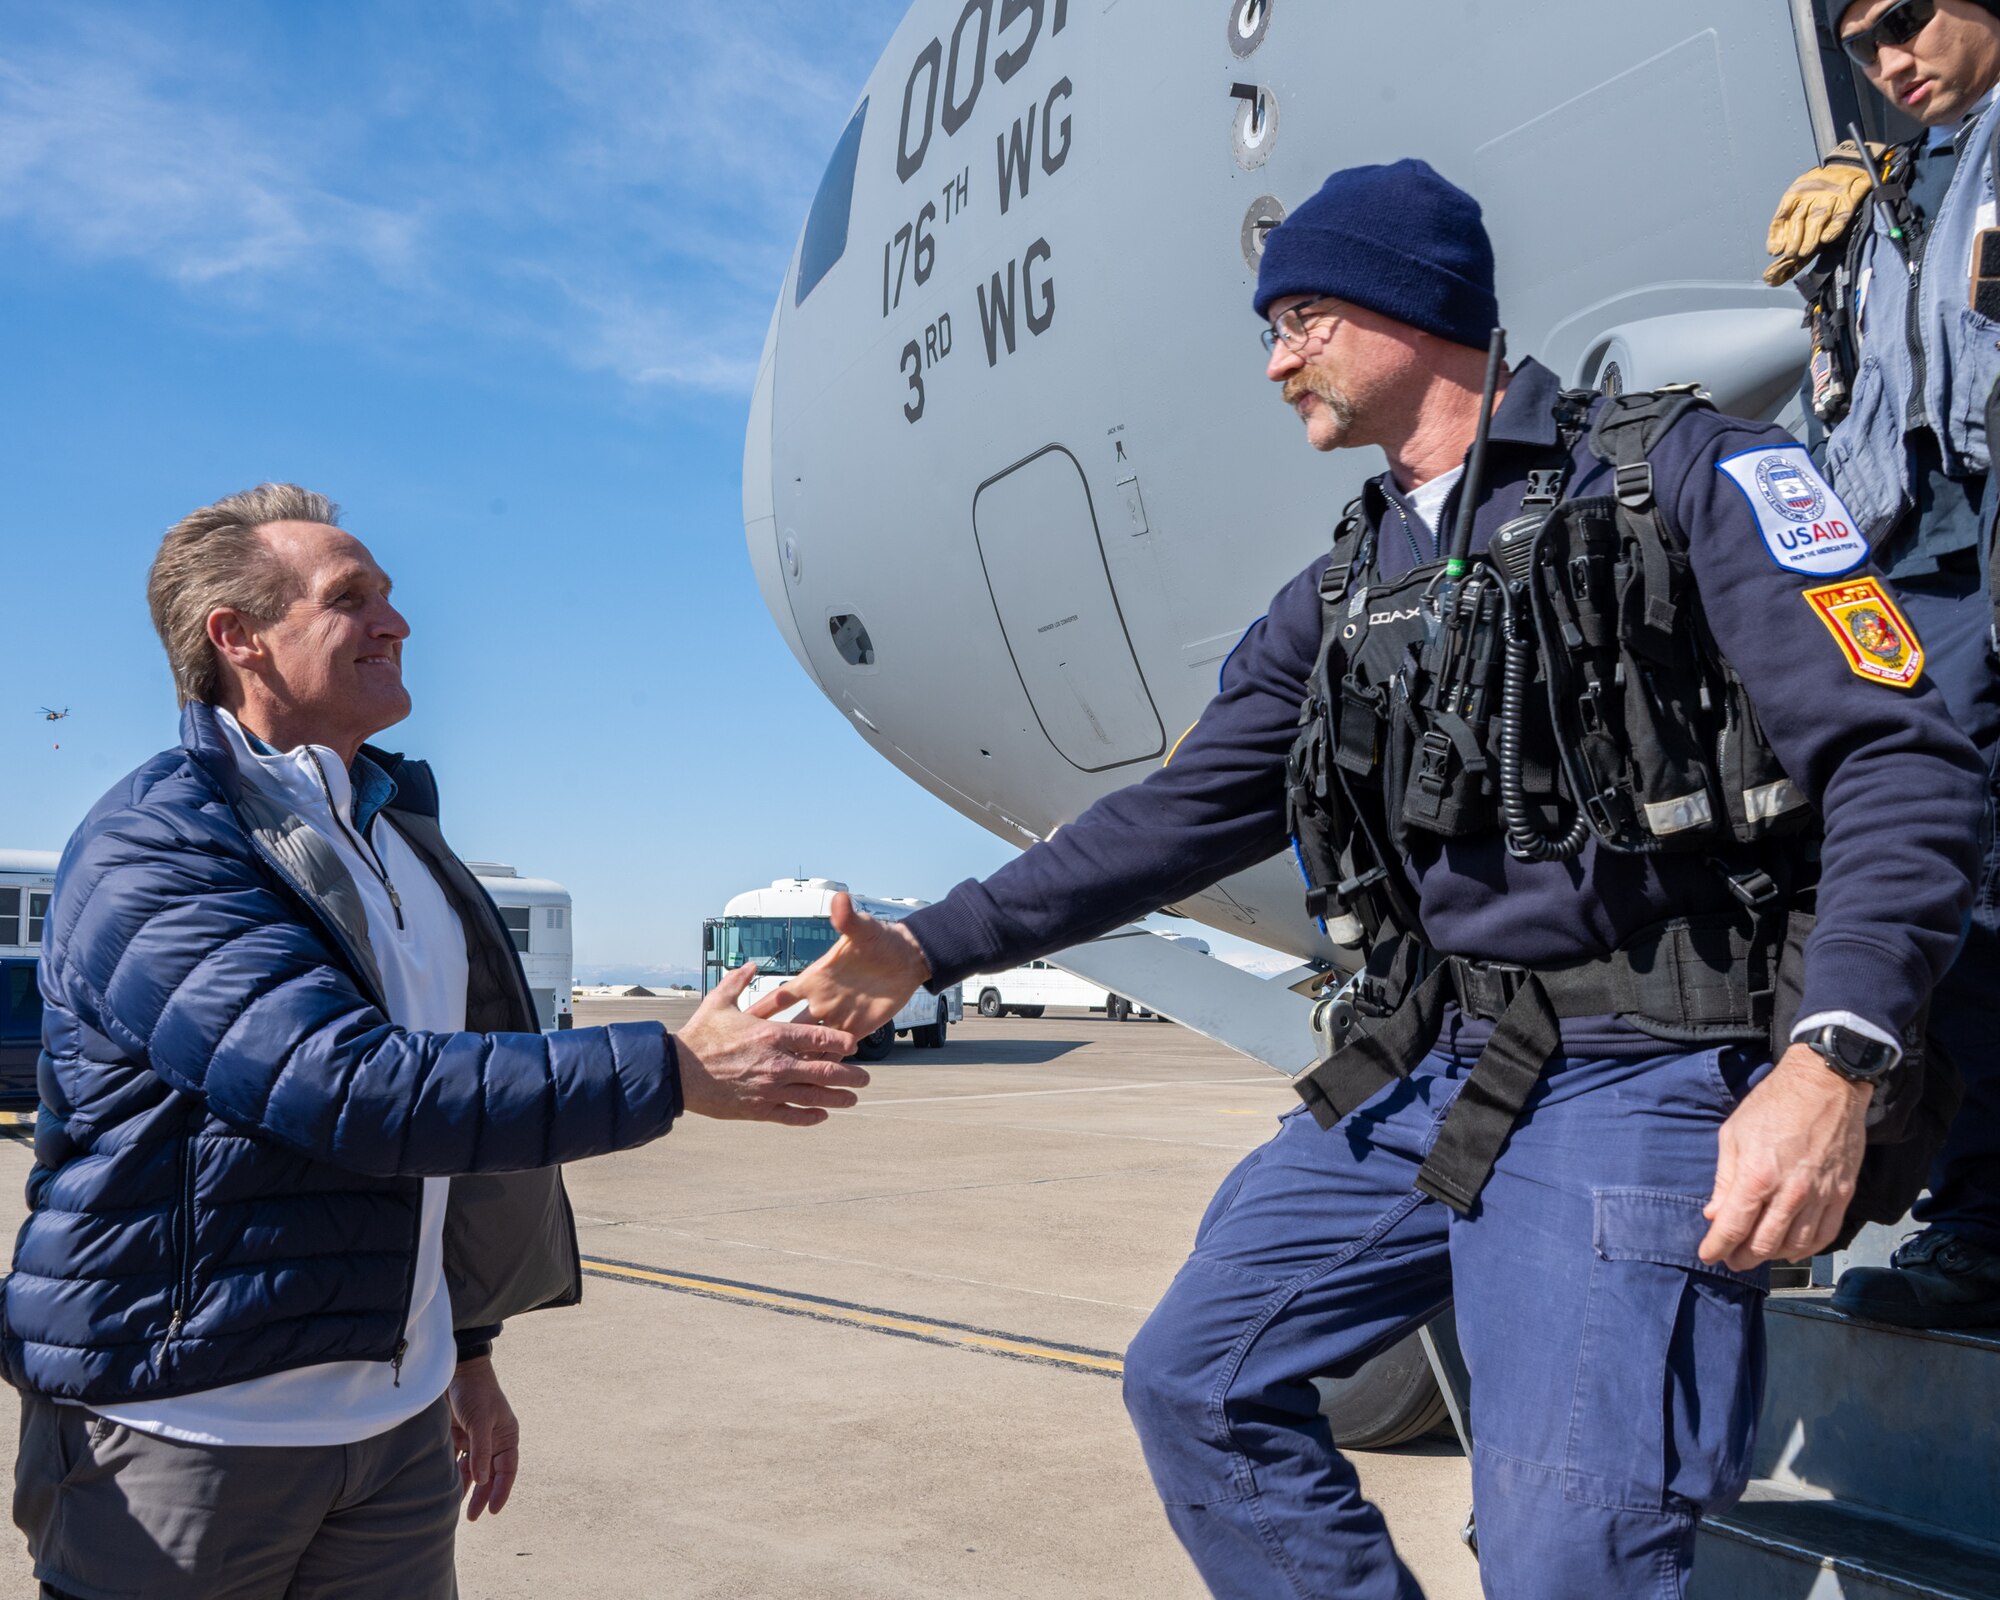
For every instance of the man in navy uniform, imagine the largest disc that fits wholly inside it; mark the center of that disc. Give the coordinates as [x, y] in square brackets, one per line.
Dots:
[1604, 1236]
[1918, 345]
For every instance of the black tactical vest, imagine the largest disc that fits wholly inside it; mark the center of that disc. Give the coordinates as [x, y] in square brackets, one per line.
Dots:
[1565, 687]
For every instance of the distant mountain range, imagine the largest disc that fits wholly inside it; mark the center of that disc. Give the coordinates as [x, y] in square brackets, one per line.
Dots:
[651, 977]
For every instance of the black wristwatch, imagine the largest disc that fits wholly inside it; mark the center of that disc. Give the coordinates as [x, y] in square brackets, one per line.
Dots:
[1852, 1054]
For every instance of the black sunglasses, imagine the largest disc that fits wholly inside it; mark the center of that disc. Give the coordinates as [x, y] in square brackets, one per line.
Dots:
[1898, 25]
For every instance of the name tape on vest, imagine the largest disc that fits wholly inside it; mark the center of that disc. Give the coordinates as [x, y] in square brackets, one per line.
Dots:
[1804, 525]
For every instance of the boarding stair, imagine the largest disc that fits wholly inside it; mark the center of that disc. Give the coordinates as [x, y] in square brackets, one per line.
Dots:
[1877, 1473]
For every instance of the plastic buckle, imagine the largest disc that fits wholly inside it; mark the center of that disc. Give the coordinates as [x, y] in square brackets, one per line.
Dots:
[1345, 891]
[1755, 887]
[1609, 812]
[1434, 762]
[1634, 485]
[1544, 487]
[1487, 988]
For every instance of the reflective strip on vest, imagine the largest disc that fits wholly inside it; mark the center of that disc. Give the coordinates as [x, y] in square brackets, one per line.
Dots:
[1679, 814]
[1771, 800]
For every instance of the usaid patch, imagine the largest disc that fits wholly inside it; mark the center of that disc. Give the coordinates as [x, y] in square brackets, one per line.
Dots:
[1805, 527]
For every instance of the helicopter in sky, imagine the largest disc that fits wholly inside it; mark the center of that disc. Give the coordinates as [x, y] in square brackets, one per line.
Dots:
[54, 716]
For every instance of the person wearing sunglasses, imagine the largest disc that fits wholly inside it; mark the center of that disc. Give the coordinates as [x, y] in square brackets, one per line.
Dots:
[1912, 264]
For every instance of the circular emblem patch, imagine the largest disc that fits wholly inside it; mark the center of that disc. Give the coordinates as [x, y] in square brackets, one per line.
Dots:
[1789, 492]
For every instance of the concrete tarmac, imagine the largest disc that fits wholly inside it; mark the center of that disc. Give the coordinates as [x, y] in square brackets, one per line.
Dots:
[878, 1358]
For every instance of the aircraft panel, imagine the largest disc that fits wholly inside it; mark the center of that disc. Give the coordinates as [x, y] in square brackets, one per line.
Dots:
[1044, 560]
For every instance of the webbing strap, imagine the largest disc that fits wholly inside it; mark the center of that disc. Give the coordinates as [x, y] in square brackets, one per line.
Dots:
[1491, 1099]
[1347, 537]
[1687, 979]
[1365, 1066]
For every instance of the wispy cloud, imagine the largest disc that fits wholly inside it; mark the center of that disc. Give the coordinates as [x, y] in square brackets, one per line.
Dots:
[102, 153]
[619, 180]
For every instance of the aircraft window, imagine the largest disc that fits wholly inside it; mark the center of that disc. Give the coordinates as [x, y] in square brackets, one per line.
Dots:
[825, 240]
[516, 918]
[10, 916]
[850, 638]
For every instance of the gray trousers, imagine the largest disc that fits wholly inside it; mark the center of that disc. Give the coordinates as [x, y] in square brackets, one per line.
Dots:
[111, 1514]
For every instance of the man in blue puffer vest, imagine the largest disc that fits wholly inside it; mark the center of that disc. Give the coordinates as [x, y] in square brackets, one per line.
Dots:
[1909, 456]
[298, 1147]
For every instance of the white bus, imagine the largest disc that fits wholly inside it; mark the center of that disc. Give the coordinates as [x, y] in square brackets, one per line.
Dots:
[536, 912]
[1030, 989]
[786, 927]
[27, 883]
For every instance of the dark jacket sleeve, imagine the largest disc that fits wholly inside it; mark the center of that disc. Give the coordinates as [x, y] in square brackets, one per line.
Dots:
[182, 952]
[1898, 788]
[1216, 807]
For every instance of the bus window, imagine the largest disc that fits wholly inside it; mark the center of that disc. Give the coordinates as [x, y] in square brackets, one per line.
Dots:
[758, 939]
[517, 919]
[20, 1002]
[38, 911]
[812, 937]
[10, 916]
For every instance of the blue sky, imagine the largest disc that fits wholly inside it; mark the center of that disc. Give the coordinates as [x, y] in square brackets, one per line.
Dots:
[495, 277]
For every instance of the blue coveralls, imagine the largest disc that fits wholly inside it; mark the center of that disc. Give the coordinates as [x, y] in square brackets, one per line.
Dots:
[1934, 552]
[1615, 1378]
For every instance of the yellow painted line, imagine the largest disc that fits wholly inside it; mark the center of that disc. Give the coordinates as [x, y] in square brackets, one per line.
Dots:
[862, 1317]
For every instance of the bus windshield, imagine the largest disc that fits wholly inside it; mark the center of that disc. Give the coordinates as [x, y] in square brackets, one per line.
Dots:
[781, 946]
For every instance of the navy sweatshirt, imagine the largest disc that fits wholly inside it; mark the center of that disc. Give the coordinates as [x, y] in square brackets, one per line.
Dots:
[1899, 788]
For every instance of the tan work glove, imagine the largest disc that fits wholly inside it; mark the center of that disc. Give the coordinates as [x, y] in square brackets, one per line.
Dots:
[1818, 209]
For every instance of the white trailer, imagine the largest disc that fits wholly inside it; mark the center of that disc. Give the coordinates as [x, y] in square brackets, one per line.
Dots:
[787, 926]
[536, 912]
[1031, 988]
[27, 884]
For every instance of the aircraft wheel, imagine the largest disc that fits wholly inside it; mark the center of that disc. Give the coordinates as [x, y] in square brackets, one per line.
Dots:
[1393, 1399]
[1028, 1011]
[989, 1003]
[876, 1046]
[1118, 1008]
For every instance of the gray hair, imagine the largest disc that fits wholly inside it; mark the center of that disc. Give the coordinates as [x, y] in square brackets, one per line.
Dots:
[213, 559]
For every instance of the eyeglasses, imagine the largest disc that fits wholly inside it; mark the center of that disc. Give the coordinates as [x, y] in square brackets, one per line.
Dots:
[1291, 325]
[1898, 25]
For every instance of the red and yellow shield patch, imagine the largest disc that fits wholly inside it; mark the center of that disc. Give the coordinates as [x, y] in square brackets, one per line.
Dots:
[1876, 638]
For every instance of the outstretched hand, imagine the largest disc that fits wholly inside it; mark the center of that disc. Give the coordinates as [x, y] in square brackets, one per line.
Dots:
[739, 1066]
[863, 981]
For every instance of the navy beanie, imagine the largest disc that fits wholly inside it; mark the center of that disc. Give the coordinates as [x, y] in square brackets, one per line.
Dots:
[1397, 239]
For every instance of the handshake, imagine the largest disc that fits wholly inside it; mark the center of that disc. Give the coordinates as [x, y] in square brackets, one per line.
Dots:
[739, 1065]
